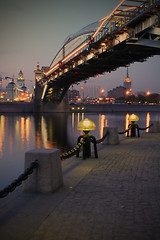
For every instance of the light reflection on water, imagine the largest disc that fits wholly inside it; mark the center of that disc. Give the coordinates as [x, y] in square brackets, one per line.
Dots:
[21, 133]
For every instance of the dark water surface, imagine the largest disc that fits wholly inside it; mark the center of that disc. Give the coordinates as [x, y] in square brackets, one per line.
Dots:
[22, 132]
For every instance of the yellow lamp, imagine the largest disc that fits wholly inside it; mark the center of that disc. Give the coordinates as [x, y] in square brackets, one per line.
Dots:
[86, 125]
[133, 118]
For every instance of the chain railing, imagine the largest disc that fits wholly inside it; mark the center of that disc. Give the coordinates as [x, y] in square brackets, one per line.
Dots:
[102, 139]
[72, 152]
[17, 182]
[145, 127]
[125, 131]
[132, 128]
[76, 149]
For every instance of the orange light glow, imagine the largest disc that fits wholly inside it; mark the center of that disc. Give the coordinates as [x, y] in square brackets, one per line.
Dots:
[127, 92]
[38, 140]
[148, 93]
[72, 120]
[127, 123]
[2, 123]
[147, 121]
[22, 129]
[27, 130]
[102, 125]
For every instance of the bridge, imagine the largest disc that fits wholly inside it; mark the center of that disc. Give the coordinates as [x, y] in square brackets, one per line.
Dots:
[130, 33]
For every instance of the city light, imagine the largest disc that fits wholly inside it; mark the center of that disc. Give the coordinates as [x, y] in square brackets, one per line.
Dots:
[148, 93]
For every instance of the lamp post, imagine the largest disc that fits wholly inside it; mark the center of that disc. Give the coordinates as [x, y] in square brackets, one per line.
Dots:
[133, 118]
[87, 125]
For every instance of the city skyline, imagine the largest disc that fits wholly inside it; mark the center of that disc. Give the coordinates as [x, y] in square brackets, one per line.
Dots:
[34, 31]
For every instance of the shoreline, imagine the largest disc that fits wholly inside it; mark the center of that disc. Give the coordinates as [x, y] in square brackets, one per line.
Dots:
[116, 108]
[28, 107]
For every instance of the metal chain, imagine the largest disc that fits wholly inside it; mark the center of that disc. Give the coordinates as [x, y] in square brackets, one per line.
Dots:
[72, 152]
[17, 182]
[145, 127]
[127, 130]
[102, 139]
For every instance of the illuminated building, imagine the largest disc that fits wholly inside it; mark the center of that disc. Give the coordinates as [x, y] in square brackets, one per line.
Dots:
[117, 92]
[127, 84]
[39, 72]
[20, 80]
[73, 95]
[22, 92]
[121, 91]
[11, 92]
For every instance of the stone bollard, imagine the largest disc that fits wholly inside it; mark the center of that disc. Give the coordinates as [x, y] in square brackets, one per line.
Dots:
[155, 128]
[112, 138]
[48, 176]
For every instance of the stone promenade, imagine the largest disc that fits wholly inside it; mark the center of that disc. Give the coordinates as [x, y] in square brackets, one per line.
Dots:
[114, 197]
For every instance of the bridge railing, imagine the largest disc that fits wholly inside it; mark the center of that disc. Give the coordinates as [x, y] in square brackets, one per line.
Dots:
[110, 25]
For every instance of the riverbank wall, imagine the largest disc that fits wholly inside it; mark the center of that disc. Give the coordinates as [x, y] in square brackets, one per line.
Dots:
[117, 108]
[15, 107]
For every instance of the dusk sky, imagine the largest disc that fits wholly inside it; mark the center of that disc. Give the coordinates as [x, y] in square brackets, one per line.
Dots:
[34, 30]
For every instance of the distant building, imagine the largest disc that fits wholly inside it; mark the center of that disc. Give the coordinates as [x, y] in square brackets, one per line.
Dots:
[16, 92]
[121, 91]
[11, 91]
[73, 95]
[117, 92]
[127, 84]
[39, 72]
[20, 80]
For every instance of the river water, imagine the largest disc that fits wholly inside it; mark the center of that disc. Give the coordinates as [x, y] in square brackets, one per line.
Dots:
[23, 132]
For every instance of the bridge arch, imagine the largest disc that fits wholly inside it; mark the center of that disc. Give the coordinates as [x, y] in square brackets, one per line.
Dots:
[129, 33]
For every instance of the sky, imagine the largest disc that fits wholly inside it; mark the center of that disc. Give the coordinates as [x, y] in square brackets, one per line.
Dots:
[33, 31]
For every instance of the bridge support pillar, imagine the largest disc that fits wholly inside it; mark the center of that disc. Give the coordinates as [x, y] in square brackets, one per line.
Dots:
[48, 176]
[112, 138]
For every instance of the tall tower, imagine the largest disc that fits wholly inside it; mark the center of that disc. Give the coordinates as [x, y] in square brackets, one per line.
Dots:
[127, 83]
[20, 80]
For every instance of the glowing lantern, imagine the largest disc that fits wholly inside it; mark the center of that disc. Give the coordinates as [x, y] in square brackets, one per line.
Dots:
[86, 125]
[133, 118]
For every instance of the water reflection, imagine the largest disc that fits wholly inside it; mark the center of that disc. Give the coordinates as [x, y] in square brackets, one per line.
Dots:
[51, 131]
[147, 121]
[127, 122]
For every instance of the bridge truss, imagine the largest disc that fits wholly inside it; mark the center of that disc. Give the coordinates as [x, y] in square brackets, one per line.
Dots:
[130, 33]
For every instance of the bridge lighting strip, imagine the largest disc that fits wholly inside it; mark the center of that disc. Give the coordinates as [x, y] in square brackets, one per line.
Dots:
[44, 91]
[66, 58]
[85, 44]
[74, 52]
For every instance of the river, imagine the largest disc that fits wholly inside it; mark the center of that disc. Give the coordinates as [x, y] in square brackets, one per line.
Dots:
[22, 132]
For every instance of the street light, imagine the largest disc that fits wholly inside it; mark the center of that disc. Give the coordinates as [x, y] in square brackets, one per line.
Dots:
[87, 125]
[133, 118]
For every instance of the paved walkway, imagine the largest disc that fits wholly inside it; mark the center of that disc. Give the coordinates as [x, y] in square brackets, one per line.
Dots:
[114, 197]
